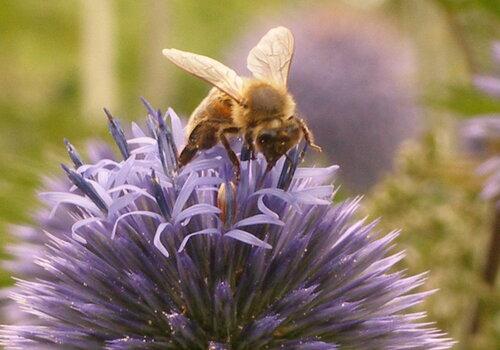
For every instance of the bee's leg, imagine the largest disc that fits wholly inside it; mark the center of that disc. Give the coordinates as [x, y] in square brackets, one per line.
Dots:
[249, 143]
[308, 136]
[203, 136]
[232, 156]
[187, 154]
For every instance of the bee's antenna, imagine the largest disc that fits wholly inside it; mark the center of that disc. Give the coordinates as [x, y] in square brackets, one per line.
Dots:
[308, 136]
[302, 154]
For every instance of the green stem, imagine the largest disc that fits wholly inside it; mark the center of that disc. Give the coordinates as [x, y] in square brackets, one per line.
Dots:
[458, 34]
[491, 268]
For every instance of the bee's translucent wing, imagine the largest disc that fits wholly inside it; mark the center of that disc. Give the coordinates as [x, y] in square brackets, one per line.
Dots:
[271, 58]
[208, 69]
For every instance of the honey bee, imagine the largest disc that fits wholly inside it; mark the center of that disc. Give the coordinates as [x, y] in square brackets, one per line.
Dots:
[260, 109]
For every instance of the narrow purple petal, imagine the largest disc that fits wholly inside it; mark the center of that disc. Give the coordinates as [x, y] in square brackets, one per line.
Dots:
[208, 231]
[157, 238]
[246, 237]
[197, 209]
[259, 219]
[134, 213]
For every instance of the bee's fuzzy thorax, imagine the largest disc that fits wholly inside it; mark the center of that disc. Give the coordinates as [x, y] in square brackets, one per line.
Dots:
[263, 100]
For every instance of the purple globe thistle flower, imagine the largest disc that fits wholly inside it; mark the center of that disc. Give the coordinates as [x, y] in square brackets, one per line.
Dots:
[140, 256]
[352, 79]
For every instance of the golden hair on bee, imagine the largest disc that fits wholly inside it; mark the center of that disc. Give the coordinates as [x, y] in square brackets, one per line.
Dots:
[261, 102]
[259, 108]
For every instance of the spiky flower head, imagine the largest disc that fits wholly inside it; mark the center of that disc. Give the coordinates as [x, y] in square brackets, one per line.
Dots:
[142, 256]
[482, 134]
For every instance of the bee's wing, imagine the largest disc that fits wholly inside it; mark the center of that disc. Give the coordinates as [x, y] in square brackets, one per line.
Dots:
[208, 69]
[271, 58]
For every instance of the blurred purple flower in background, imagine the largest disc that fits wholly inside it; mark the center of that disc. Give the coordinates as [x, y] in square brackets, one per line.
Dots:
[482, 134]
[140, 256]
[352, 78]
[488, 84]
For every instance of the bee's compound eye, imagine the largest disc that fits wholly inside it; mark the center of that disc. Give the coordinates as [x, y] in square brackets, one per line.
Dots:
[265, 137]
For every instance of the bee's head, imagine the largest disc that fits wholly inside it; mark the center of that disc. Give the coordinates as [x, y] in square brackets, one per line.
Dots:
[273, 143]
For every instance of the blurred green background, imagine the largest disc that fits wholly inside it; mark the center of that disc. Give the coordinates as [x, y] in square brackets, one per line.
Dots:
[62, 61]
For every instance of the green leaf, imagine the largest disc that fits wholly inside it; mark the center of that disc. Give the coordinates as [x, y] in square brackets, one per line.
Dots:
[466, 101]
[491, 6]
